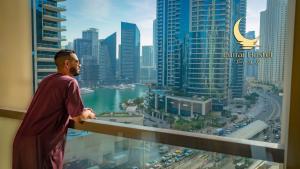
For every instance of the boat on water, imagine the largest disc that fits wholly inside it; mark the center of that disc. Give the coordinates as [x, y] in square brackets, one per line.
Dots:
[121, 86]
[126, 86]
[85, 90]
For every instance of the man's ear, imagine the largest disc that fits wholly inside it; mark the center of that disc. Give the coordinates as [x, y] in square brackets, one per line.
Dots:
[66, 63]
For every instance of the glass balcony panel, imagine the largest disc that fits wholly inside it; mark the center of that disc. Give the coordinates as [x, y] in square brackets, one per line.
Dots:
[99, 151]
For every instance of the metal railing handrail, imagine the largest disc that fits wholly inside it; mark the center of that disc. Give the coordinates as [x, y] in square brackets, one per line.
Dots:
[272, 152]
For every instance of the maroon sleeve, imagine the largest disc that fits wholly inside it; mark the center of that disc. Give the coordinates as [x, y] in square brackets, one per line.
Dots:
[73, 102]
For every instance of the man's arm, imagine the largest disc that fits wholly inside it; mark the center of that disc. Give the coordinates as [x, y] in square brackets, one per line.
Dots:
[87, 113]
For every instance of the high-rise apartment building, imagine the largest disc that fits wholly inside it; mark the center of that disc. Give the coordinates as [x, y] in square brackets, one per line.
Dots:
[208, 70]
[192, 38]
[160, 41]
[130, 53]
[172, 32]
[236, 75]
[273, 38]
[48, 26]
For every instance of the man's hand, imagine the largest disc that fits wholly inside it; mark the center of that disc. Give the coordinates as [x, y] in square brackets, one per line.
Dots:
[87, 113]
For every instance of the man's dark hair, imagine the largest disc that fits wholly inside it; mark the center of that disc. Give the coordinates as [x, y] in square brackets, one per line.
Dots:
[62, 55]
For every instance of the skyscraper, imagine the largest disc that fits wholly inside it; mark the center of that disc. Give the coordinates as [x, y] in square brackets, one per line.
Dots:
[147, 59]
[207, 70]
[48, 26]
[172, 31]
[161, 41]
[147, 71]
[130, 53]
[83, 49]
[107, 50]
[89, 58]
[273, 30]
[192, 37]
[155, 49]
[92, 35]
[155, 43]
[251, 64]
[236, 76]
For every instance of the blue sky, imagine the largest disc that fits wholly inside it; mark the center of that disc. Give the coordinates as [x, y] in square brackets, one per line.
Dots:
[106, 16]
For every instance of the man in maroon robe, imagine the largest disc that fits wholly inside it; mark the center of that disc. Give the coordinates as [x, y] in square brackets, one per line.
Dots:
[40, 140]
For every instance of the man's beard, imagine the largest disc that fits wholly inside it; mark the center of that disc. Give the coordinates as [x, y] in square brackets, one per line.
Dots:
[73, 71]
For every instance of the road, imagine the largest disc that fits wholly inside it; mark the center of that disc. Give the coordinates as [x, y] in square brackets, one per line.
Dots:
[268, 107]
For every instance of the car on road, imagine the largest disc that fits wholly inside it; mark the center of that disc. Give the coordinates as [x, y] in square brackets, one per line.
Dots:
[266, 138]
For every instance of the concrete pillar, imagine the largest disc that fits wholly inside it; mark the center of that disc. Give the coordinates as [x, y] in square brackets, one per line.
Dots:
[203, 108]
[192, 110]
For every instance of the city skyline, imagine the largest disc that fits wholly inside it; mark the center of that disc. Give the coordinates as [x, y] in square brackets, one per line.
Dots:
[107, 15]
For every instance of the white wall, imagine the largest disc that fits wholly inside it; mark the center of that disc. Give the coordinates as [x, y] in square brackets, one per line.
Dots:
[15, 68]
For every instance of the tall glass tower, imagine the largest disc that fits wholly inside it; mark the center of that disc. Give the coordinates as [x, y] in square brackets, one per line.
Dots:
[237, 78]
[208, 70]
[160, 41]
[130, 53]
[107, 50]
[172, 32]
[147, 71]
[89, 57]
[92, 35]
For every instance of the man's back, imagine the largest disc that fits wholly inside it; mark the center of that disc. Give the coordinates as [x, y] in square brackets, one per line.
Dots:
[47, 109]
[45, 123]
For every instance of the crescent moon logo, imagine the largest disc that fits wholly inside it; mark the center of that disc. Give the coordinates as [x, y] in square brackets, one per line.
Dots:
[246, 43]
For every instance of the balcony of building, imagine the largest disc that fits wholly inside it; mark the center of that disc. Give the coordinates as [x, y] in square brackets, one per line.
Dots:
[45, 59]
[53, 17]
[53, 27]
[53, 6]
[53, 37]
[51, 69]
[48, 47]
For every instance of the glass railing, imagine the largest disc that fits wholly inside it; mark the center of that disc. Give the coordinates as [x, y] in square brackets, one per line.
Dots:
[50, 24]
[93, 150]
[54, 25]
[100, 144]
[47, 45]
[41, 55]
[53, 4]
[55, 15]
[50, 35]
[46, 66]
